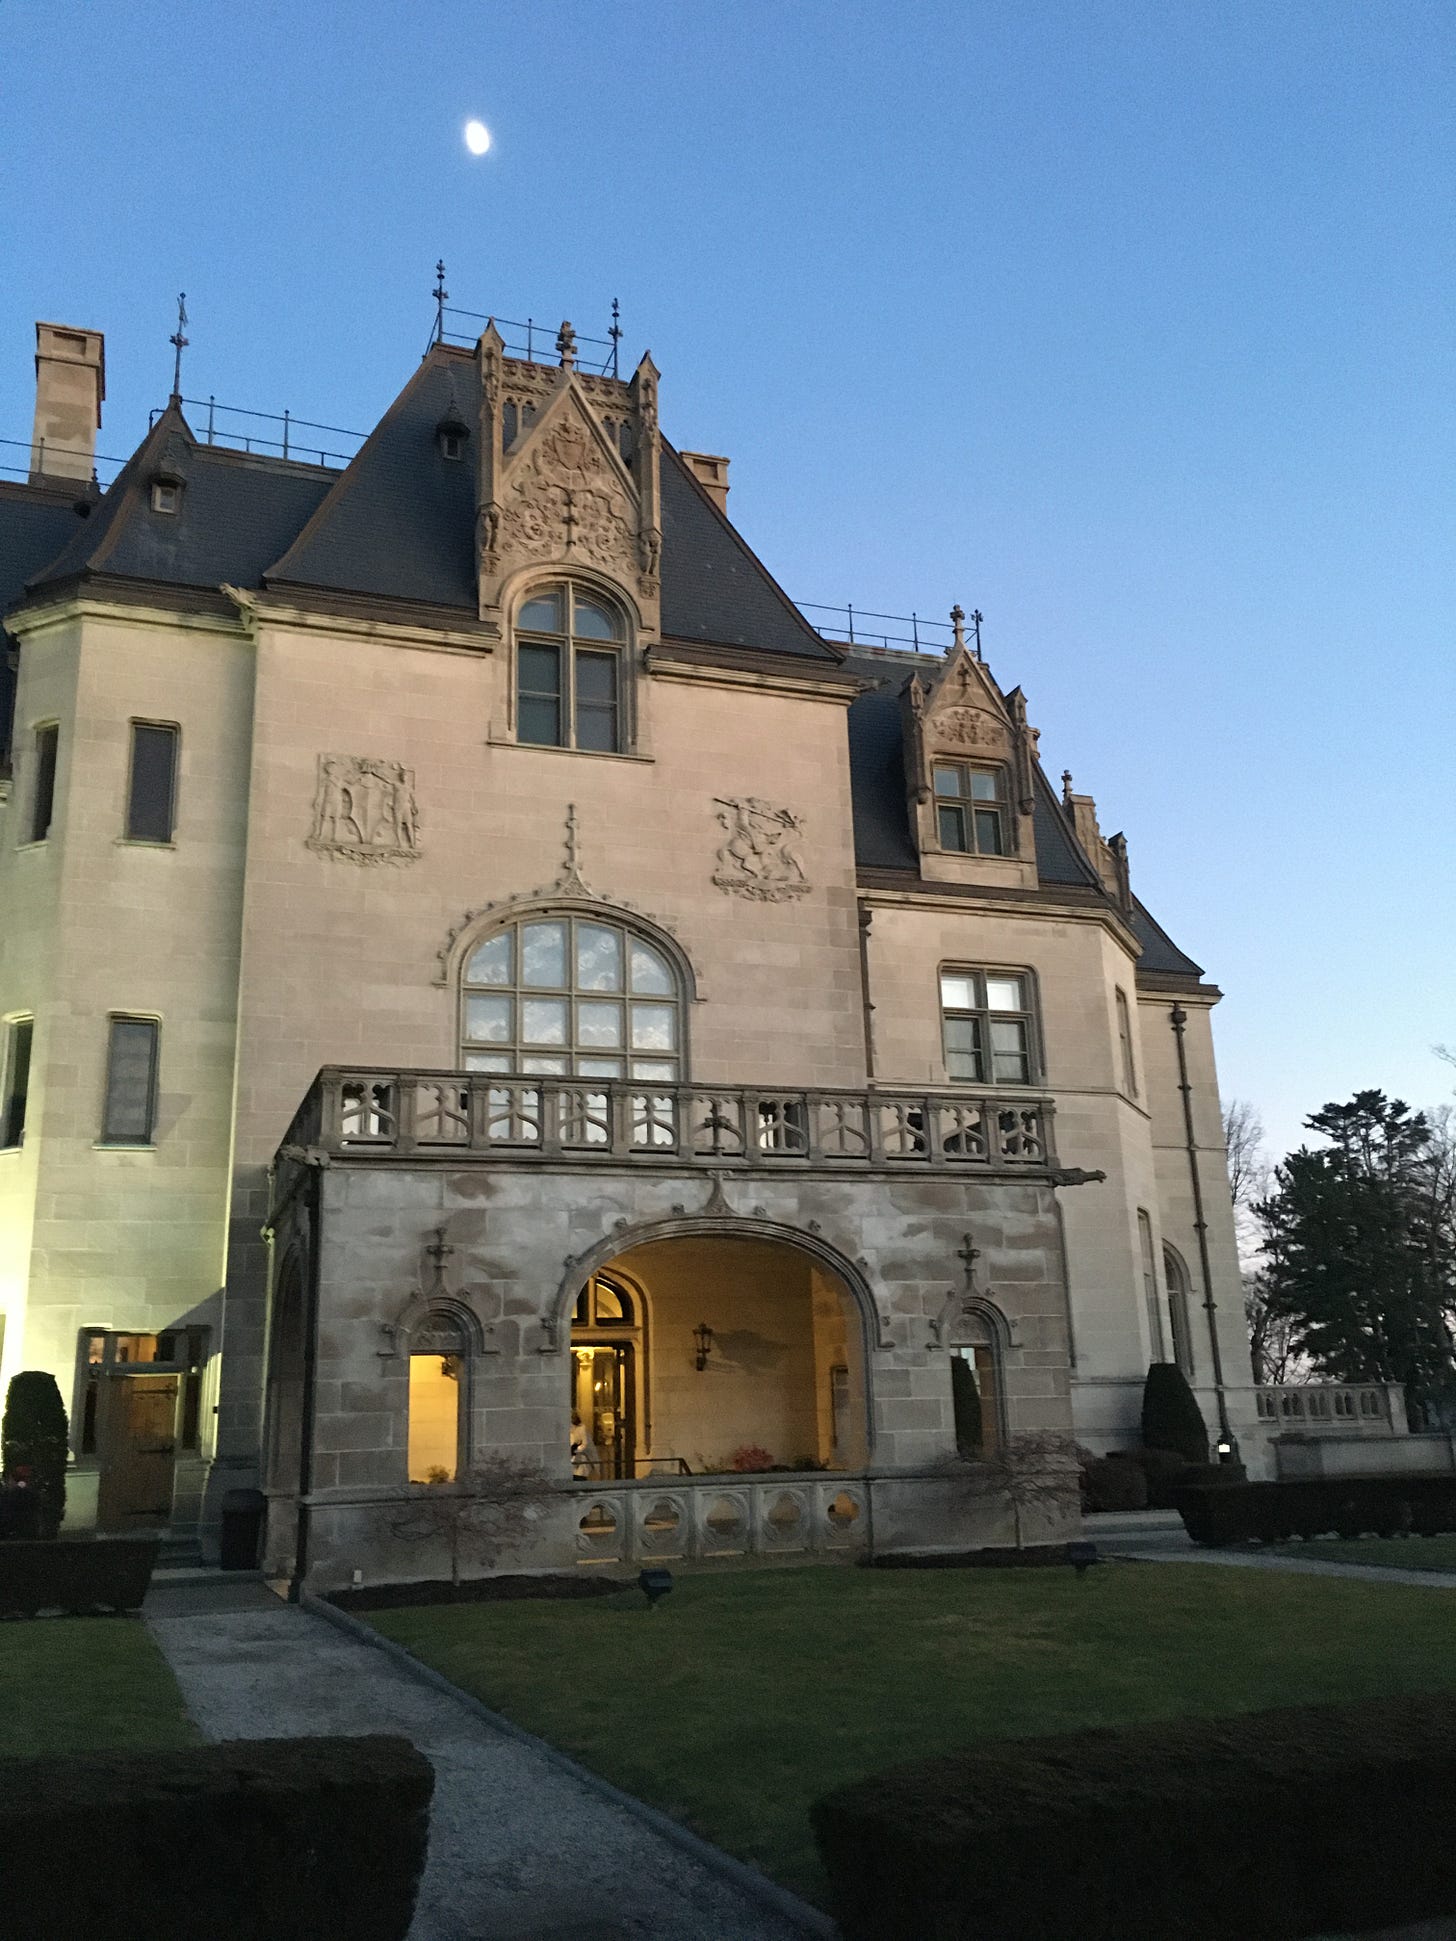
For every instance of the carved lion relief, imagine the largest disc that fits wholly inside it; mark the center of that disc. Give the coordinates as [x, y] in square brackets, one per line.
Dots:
[760, 859]
[364, 810]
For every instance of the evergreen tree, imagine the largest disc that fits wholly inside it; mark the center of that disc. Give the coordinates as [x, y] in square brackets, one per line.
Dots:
[1360, 1260]
[33, 1442]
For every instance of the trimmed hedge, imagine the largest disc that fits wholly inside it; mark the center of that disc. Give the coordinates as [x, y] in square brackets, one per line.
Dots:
[1163, 1468]
[1172, 1418]
[33, 1433]
[1218, 1513]
[288, 1838]
[1111, 1484]
[75, 1574]
[1300, 1821]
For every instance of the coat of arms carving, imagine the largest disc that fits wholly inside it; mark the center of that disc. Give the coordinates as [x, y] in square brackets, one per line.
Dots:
[563, 497]
[760, 859]
[365, 811]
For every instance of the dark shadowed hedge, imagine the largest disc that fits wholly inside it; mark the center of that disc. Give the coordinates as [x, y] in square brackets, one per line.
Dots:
[75, 1574]
[1344, 1506]
[1301, 1821]
[283, 1838]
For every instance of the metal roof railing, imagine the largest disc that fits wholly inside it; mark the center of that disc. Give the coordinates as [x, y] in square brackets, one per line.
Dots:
[38, 449]
[219, 429]
[856, 628]
[532, 341]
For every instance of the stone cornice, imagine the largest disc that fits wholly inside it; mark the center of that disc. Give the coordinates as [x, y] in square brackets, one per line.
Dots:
[133, 604]
[682, 660]
[1174, 984]
[978, 899]
[406, 629]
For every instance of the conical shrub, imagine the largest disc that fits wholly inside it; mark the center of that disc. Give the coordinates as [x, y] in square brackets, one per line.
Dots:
[33, 1442]
[1172, 1418]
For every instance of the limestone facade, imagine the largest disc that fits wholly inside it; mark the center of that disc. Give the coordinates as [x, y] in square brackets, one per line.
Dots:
[357, 809]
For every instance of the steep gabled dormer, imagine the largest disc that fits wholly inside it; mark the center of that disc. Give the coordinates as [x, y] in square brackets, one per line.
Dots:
[970, 763]
[568, 478]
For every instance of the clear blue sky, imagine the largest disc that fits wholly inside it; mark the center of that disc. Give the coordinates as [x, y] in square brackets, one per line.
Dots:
[1129, 324]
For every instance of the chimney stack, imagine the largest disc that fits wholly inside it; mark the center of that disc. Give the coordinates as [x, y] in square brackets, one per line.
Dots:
[70, 382]
[711, 472]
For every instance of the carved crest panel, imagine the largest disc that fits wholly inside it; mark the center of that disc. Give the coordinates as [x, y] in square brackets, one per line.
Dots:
[563, 501]
[760, 859]
[364, 810]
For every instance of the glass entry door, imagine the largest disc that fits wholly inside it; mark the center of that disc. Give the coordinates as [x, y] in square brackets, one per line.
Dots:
[603, 1437]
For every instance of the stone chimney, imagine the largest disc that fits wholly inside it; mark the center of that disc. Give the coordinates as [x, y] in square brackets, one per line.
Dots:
[70, 382]
[712, 474]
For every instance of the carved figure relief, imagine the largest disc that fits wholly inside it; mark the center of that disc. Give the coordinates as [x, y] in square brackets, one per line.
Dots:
[365, 810]
[760, 859]
[563, 498]
[969, 728]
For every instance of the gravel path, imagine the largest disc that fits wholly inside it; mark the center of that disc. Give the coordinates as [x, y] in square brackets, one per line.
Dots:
[519, 1850]
[1169, 1550]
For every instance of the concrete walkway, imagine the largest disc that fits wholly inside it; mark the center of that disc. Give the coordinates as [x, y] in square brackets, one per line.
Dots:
[519, 1849]
[1164, 1544]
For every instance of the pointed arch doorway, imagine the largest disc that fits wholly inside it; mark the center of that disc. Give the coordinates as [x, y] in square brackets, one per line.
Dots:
[610, 1393]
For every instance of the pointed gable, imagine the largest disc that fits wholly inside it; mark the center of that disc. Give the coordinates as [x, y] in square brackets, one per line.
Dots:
[399, 523]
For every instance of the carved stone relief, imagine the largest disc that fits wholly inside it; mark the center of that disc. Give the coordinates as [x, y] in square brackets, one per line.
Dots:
[760, 859]
[563, 497]
[969, 728]
[364, 810]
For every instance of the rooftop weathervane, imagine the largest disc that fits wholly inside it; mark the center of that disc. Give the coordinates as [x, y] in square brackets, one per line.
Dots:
[180, 342]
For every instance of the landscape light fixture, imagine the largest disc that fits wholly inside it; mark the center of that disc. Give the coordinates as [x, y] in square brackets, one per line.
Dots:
[1081, 1556]
[703, 1336]
[1226, 1449]
[654, 1584]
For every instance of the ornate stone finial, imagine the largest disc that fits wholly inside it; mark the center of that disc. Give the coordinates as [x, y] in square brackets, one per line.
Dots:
[1067, 787]
[569, 882]
[970, 1253]
[437, 1253]
[566, 347]
[957, 621]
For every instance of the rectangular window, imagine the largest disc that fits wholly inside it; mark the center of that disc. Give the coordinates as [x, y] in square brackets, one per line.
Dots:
[1150, 1289]
[1124, 1041]
[988, 1026]
[130, 1114]
[43, 793]
[596, 702]
[152, 791]
[970, 809]
[16, 1077]
[539, 696]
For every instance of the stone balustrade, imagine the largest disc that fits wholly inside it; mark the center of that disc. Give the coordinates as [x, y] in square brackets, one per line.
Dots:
[356, 1113]
[658, 1520]
[1331, 1408]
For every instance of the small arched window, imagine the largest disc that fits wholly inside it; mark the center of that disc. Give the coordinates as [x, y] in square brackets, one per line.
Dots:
[1176, 1275]
[570, 652]
[572, 996]
[438, 1362]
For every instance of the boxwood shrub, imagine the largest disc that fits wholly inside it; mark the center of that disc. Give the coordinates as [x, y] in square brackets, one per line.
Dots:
[1111, 1484]
[288, 1838]
[1305, 1820]
[75, 1574]
[1343, 1506]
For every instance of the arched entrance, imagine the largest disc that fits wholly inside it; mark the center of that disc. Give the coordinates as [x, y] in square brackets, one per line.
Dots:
[702, 1351]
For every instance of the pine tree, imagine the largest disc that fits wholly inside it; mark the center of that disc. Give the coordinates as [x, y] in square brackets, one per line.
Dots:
[1358, 1260]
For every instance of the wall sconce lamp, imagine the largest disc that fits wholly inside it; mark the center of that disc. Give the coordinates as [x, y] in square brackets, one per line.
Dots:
[703, 1336]
[1226, 1448]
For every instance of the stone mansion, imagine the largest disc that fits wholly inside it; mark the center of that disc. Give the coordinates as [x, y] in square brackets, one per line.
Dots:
[480, 972]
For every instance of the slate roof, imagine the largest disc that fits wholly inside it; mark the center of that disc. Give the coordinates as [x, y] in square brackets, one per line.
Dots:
[36, 521]
[882, 832]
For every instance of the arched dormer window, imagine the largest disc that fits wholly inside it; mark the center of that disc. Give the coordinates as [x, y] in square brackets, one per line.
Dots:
[570, 669]
[571, 995]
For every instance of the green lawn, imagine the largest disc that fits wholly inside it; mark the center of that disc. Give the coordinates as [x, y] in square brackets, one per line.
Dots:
[746, 1695]
[1395, 1553]
[86, 1685]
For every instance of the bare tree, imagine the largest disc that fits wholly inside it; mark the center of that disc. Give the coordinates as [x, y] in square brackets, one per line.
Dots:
[1248, 1175]
[1036, 1471]
[1271, 1336]
[490, 1510]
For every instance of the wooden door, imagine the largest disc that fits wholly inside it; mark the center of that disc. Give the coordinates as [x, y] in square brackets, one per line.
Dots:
[138, 1451]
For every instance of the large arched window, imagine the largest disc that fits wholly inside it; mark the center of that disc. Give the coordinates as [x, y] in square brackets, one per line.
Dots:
[570, 646]
[573, 996]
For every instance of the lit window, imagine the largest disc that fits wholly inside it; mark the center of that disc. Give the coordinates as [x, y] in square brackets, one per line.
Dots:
[970, 809]
[43, 788]
[569, 671]
[152, 788]
[1124, 1042]
[988, 1026]
[130, 1115]
[574, 998]
[437, 1367]
[15, 1076]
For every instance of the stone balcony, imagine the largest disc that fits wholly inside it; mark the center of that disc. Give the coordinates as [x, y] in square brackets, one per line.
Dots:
[1332, 1408]
[358, 1113]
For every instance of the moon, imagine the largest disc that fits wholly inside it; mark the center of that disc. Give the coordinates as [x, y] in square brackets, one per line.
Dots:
[477, 137]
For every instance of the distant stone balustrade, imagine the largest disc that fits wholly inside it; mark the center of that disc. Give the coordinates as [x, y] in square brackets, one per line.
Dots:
[1332, 1408]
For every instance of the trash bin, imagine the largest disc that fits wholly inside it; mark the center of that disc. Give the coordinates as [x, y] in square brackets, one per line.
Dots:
[242, 1528]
